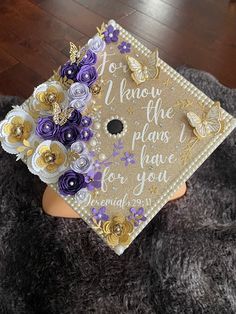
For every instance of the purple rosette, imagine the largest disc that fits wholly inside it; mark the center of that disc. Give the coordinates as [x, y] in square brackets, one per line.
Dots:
[69, 70]
[85, 134]
[87, 75]
[89, 58]
[69, 134]
[71, 182]
[75, 117]
[86, 121]
[47, 129]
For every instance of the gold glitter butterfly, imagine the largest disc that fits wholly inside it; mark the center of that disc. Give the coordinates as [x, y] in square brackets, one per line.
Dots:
[76, 54]
[144, 72]
[101, 30]
[209, 123]
[61, 116]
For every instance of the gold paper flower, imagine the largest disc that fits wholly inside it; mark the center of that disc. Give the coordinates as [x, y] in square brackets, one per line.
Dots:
[117, 231]
[50, 157]
[49, 161]
[48, 94]
[95, 89]
[17, 127]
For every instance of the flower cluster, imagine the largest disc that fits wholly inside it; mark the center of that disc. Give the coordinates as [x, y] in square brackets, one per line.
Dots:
[118, 229]
[83, 72]
[51, 134]
[76, 128]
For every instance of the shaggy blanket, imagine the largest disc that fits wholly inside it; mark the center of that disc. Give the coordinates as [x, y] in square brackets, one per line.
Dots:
[183, 262]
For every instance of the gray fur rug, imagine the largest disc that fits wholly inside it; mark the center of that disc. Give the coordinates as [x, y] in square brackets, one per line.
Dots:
[183, 262]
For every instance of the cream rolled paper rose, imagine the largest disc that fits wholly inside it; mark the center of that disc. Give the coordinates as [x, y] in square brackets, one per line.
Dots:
[48, 161]
[17, 127]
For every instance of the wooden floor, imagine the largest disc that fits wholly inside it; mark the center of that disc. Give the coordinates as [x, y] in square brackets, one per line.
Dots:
[34, 35]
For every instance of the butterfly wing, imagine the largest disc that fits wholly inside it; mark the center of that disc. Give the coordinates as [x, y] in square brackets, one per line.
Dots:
[56, 112]
[213, 119]
[196, 122]
[137, 72]
[64, 116]
[56, 108]
[152, 69]
[73, 52]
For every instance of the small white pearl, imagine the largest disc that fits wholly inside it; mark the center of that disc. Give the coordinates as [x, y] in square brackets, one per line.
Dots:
[102, 157]
[97, 125]
[111, 35]
[93, 143]
[69, 72]
[119, 249]
[112, 22]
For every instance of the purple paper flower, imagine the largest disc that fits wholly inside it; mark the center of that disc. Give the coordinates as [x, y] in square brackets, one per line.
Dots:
[47, 129]
[85, 134]
[86, 121]
[87, 75]
[99, 214]
[69, 70]
[80, 92]
[75, 117]
[69, 133]
[89, 58]
[124, 47]
[96, 44]
[97, 165]
[71, 182]
[93, 180]
[128, 159]
[137, 215]
[111, 34]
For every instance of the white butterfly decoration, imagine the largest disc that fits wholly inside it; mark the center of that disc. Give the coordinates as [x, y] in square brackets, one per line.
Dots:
[208, 124]
[143, 72]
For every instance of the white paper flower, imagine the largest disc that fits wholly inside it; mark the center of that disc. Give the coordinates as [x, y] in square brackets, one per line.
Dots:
[81, 164]
[48, 93]
[17, 127]
[48, 161]
[79, 95]
[96, 44]
[77, 147]
[81, 196]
